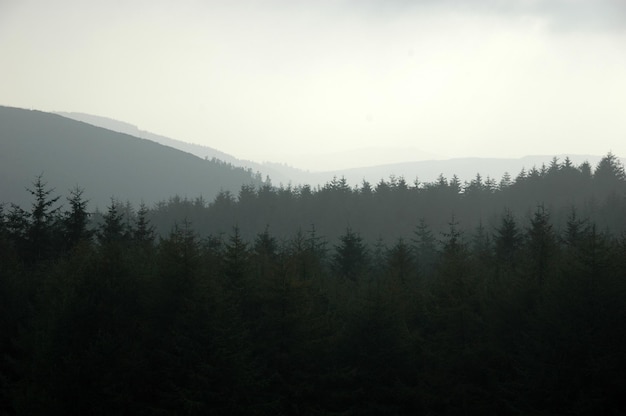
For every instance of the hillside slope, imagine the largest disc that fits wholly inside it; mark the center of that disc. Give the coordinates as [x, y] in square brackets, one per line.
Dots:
[417, 164]
[277, 172]
[105, 163]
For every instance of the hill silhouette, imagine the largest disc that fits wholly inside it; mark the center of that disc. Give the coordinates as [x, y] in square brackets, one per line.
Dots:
[277, 172]
[105, 163]
[417, 164]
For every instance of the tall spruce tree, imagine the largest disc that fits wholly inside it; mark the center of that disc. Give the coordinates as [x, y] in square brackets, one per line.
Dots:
[424, 244]
[43, 226]
[350, 258]
[507, 240]
[113, 230]
[541, 244]
[76, 220]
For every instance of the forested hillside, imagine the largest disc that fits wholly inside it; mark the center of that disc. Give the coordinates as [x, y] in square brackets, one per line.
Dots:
[274, 171]
[391, 209]
[415, 164]
[480, 298]
[105, 163]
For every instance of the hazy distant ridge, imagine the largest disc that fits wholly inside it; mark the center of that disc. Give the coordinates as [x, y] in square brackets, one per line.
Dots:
[465, 168]
[275, 171]
[105, 163]
[423, 170]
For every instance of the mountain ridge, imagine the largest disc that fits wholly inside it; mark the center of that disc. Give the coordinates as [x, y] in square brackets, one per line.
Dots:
[426, 170]
[106, 164]
[190, 175]
[275, 171]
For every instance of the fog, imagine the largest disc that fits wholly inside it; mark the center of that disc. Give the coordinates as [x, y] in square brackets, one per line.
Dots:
[310, 84]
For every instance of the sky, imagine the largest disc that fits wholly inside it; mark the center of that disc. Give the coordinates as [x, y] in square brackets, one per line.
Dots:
[345, 82]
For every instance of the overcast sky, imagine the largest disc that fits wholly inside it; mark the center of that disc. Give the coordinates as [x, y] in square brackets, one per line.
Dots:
[276, 80]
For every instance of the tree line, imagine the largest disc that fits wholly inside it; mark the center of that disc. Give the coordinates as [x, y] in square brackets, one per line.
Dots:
[107, 315]
[392, 207]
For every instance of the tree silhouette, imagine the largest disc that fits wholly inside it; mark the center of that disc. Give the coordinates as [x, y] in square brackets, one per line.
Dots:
[350, 258]
[113, 230]
[507, 241]
[76, 220]
[43, 218]
[541, 244]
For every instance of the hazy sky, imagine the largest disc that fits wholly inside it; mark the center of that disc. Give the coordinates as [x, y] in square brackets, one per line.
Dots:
[275, 80]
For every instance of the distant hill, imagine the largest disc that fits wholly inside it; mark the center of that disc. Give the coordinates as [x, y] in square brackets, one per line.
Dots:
[416, 165]
[465, 168]
[103, 162]
[359, 157]
[277, 172]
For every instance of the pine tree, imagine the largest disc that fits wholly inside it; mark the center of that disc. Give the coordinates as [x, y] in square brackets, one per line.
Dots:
[481, 245]
[610, 168]
[541, 244]
[400, 263]
[507, 241]
[236, 266]
[574, 229]
[585, 170]
[609, 175]
[144, 233]
[455, 318]
[113, 230]
[42, 232]
[453, 244]
[16, 226]
[350, 258]
[76, 221]
[265, 253]
[316, 252]
[424, 244]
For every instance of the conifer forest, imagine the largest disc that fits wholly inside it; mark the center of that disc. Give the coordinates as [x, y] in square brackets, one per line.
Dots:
[490, 296]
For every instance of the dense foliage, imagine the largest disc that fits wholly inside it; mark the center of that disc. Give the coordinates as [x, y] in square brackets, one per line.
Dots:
[392, 208]
[522, 316]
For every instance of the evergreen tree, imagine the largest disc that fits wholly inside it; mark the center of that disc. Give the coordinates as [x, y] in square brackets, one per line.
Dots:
[16, 226]
[76, 220]
[609, 169]
[181, 252]
[113, 230]
[453, 244]
[541, 244]
[521, 176]
[507, 241]
[456, 330]
[481, 247]
[609, 177]
[366, 189]
[42, 232]
[144, 232]
[574, 229]
[265, 255]
[316, 251]
[424, 244]
[554, 166]
[400, 263]
[236, 258]
[585, 170]
[350, 258]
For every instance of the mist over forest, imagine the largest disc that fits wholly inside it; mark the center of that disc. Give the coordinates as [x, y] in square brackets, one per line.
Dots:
[136, 278]
[344, 207]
